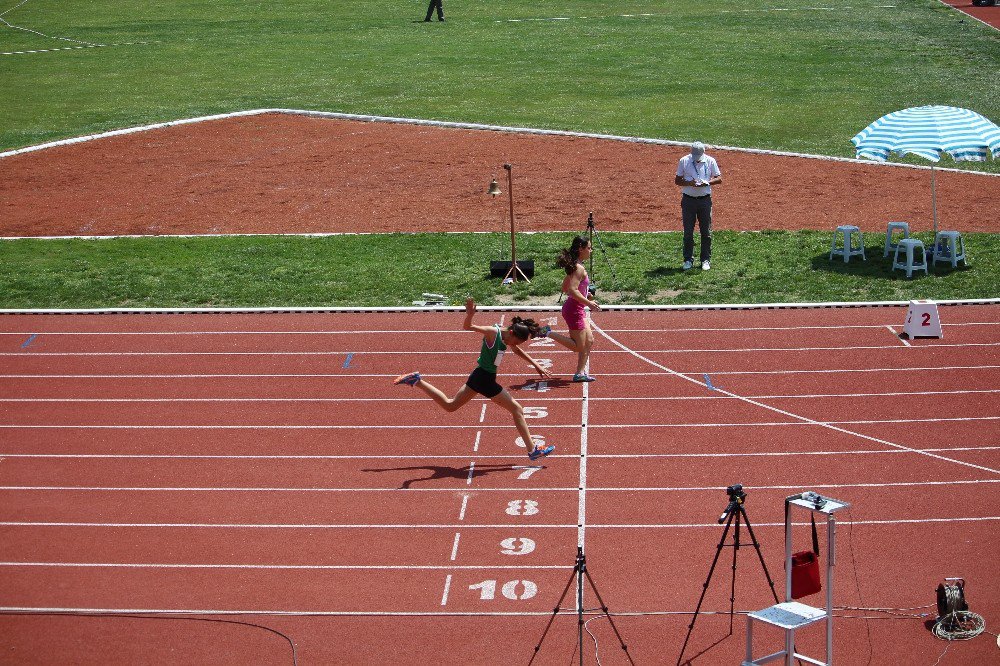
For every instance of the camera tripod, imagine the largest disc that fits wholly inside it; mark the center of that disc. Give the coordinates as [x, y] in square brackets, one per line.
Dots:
[735, 513]
[579, 571]
[592, 233]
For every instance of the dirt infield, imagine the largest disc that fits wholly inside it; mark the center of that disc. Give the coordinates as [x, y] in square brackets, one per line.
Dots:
[280, 173]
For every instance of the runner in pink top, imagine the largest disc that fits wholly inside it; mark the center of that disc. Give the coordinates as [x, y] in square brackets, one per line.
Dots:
[576, 287]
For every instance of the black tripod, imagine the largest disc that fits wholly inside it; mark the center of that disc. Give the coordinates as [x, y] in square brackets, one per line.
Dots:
[579, 571]
[591, 235]
[734, 511]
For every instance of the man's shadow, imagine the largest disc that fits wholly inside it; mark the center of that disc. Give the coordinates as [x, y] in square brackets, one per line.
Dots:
[443, 472]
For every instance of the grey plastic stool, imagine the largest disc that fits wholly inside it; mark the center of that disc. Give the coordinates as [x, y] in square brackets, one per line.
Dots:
[850, 248]
[915, 257]
[949, 245]
[890, 242]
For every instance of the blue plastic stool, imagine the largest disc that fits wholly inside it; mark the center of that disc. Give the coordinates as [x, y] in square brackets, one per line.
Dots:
[890, 242]
[914, 250]
[850, 248]
[949, 245]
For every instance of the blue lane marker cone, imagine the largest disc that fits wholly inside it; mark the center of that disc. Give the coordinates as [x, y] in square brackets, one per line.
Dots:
[347, 362]
[28, 341]
[708, 383]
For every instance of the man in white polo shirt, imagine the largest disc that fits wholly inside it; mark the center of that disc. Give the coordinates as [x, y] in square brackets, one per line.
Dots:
[696, 173]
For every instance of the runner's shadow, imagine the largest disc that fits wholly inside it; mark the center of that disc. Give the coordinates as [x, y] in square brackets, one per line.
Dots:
[438, 472]
[551, 383]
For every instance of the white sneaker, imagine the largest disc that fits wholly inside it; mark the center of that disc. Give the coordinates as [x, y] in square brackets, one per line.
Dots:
[705, 266]
[687, 265]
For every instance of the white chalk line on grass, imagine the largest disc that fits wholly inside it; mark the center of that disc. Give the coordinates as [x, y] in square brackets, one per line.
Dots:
[832, 425]
[430, 352]
[75, 48]
[894, 485]
[621, 399]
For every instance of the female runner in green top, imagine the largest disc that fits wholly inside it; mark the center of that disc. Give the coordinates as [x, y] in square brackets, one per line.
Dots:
[483, 380]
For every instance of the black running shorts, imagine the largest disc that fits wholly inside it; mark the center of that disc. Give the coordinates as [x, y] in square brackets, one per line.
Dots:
[484, 383]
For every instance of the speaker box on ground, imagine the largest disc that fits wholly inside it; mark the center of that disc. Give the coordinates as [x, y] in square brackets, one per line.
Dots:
[499, 268]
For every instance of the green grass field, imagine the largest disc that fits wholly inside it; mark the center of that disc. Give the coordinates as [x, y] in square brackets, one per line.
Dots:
[738, 74]
[395, 269]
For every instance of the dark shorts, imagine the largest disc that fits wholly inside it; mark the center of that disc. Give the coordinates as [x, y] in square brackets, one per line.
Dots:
[484, 383]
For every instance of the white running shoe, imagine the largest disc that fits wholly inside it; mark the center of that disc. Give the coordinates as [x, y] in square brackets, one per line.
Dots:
[705, 266]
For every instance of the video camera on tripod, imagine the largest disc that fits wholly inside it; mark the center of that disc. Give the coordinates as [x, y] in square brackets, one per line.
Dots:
[736, 498]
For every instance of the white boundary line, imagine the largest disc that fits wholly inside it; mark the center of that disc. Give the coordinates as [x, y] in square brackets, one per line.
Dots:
[489, 308]
[319, 567]
[728, 454]
[800, 421]
[968, 15]
[432, 352]
[531, 398]
[502, 526]
[512, 375]
[891, 484]
[469, 126]
[452, 331]
[829, 424]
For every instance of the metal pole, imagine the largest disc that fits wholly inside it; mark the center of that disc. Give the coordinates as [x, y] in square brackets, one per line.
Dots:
[831, 540]
[510, 199]
[934, 202]
[581, 564]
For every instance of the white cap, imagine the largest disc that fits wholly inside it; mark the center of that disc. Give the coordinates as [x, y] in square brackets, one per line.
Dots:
[697, 150]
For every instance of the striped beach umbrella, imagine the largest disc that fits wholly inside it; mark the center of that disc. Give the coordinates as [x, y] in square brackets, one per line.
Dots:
[929, 131]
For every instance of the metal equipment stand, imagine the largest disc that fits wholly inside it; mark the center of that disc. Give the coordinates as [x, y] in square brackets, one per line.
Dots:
[579, 571]
[792, 615]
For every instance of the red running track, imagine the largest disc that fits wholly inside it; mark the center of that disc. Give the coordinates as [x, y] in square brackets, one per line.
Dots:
[261, 468]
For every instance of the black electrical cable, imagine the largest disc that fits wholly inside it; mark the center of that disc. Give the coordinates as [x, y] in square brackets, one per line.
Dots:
[132, 616]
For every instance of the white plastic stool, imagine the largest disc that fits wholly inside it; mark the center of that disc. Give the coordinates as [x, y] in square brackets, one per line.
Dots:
[946, 246]
[914, 250]
[850, 248]
[890, 242]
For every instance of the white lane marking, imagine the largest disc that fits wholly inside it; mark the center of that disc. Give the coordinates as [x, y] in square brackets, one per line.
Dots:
[894, 521]
[465, 504]
[482, 414]
[581, 518]
[472, 467]
[462, 374]
[725, 454]
[475, 446]
[888, 484]
[318, 567]
[454, 547]
[625, 398]
[829, 425]
[268, 526]
[897, 336]
[549, 19]
[447, 585]
[705, 350]
[612, 426]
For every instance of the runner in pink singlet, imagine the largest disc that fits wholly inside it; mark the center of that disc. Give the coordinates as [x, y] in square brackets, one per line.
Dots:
[576, 287]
